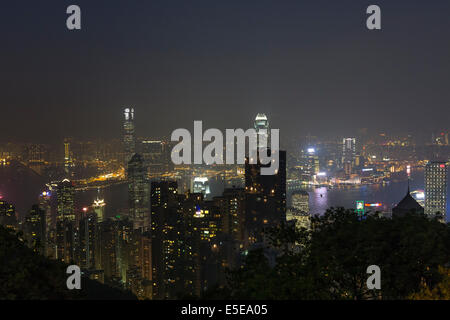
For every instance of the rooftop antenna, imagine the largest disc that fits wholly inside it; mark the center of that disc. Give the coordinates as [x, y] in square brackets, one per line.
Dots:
[408, 172]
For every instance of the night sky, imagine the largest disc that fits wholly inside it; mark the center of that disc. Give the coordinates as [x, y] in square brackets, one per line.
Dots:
[312, 66]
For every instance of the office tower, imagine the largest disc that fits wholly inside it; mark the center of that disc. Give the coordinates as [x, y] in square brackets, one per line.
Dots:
[87, 241]
[300, 201]
[68, 162]
[265, 199]
[138, 193]
[99, 209]
[232, 207]
[348, 150]
[209, 247]
[260, 123]
[8, 215]
[168, 241]
[313, 166]
[154, 154]
[129, 142]
[436, 188]
[115, 249]
[45, 204]
[143, 267]
[140, 272]
[35, 229]
[65, 193]
[66, 240]
[201, 185]
[65, 237]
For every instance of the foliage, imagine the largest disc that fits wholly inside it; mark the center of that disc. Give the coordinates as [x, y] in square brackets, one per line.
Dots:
[331, 260]
[441, 291]
[27, 275]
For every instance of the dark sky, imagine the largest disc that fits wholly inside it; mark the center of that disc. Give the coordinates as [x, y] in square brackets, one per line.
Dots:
[311, 65]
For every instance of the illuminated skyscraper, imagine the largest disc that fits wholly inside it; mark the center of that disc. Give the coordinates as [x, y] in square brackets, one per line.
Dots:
[261, 122]
[129, 141]
[87, 241]
[348, 150]
[436, 188]
[166, 229]
[45, 204]
[201, 185]
[232, 206]
[35, 229]
[138, 193]
[153, 152]
[65, 198]
[66, 239]
[99, 209]
[312, 161]
[68, 162]
[8, 215]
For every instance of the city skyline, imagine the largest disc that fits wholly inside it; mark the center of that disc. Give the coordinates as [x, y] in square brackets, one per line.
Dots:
[195, 150]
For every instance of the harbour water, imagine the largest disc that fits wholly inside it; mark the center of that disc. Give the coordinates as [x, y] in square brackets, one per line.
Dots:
[23, 193]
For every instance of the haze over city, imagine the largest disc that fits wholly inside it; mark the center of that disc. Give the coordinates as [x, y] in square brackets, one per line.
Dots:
[113, 187]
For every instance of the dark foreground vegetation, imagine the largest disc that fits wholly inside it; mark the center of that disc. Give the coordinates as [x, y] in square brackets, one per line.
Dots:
[328, 262]
[27, 275]
[413, 253]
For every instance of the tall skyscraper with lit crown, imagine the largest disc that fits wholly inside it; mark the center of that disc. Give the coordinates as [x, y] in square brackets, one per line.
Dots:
[129, 141]
[262, 123]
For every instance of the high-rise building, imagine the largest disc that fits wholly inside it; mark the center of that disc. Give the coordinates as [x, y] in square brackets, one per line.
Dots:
[129, 141]
[65, 197]
[167, 240]
[260, 123]
[66, 239]
[138, 193]
[65, 236]
[68, 161]
[312, 158]
[115, 240]
[436, 188]
[8, 215]
[201, 185]
[45, 204]
[35, 229]
[232, 206]
[265, 198]
[348, 151]
[87, 245]
[300, 201]
[154, 154]
[99, 209]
